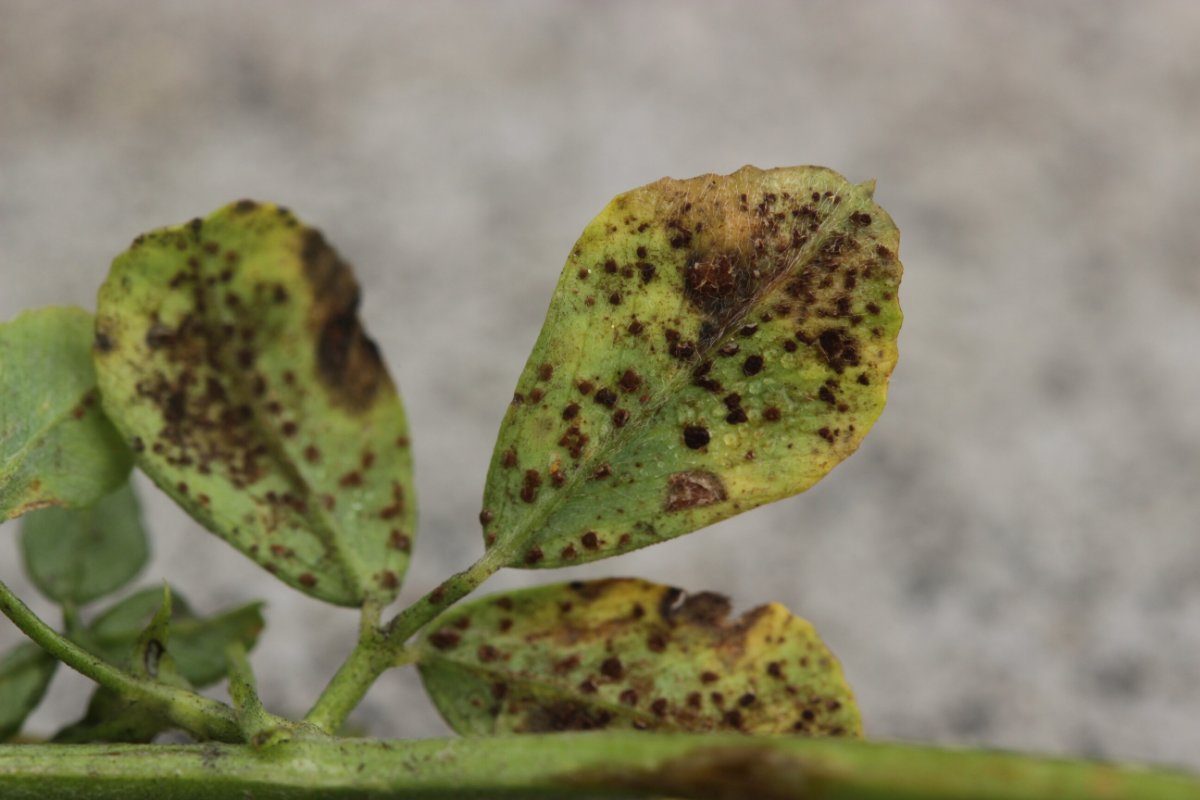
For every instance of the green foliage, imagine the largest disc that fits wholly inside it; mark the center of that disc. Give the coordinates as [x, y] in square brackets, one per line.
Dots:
[197, 644]
[713, 344]
[25, 673]
[56, 447]
[77, 556]
[631, 654]
[230, 355]
[154, 635]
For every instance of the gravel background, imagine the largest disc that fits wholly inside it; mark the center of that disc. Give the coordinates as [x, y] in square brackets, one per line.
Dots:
[1011, 559]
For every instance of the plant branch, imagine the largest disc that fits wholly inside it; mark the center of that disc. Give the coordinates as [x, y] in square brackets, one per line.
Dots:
[380, 648]
[611, 764]
[200, 716]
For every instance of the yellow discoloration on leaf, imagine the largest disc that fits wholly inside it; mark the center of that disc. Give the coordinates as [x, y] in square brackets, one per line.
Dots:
[631, 654]
[231, 356]
[713, 344]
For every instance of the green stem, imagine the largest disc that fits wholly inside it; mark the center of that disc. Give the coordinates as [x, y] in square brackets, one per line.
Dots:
[381, 648]
[626, 764]
[199, 716]
[449, 592]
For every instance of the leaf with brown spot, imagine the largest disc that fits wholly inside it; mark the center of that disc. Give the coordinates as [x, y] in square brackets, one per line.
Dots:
[626, 653]
[235, 359]
[56, 446]
[745, 363]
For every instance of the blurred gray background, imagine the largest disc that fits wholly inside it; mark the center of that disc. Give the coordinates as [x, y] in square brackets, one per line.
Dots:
[1012, 557]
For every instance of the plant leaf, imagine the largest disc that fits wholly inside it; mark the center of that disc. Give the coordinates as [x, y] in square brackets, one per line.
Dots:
[151, 657]
[25, 673]
[123, 621]
[631, 654]
[56, 447]
[230, 354]
[76, 556]
[713, 344]
[111, 718]
[197, 643]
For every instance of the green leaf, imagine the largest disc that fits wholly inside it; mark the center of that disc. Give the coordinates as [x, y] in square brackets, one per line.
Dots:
[110, 718]
[56, 447]
[630, 654]
[173, 648]
[151, 659]
[713, 344]
[25, 673]
[122, 622]
[198, 644]
[230, 353]
[75, 557]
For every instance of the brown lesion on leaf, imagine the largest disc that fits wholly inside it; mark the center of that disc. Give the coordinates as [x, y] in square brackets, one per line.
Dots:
[838, 348]
[705, 609]
[348, 361]
[694, 489]
[720, 284]
[565, 715]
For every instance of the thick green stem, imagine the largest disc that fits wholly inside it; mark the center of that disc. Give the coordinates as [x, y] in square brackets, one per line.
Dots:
[573, 765]
[380, 648]
[199, 716]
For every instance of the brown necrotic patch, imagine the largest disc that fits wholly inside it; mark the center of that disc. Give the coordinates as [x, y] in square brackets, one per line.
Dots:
[693, 489]
[720, 284]
[565, 715]
[348, 362]
[838, 348]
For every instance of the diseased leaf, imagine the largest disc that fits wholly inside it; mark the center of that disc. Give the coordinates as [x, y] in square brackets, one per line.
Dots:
[78, 556]
[231, 356]
[713, 344]
[56, 446]
[25, 673]
[631, 654]
[197, 643]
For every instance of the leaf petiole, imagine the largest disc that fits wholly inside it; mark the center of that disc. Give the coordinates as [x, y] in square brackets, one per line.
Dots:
[380, 648]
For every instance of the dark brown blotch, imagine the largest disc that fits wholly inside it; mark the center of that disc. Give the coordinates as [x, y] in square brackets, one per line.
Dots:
[565, 715]
[839, 349]
[630, 381]
[719, 285]
[612, 668]
[696, 436]
[530, 485]
[348, 361]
